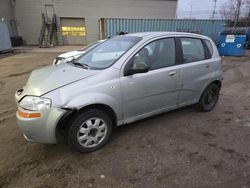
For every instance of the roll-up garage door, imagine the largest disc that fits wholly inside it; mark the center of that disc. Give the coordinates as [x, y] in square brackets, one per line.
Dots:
[73, 31]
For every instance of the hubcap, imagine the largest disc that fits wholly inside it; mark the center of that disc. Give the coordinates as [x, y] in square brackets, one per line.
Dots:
[92, 132]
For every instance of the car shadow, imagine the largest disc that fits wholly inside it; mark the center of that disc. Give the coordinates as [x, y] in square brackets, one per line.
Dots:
[150, 121]
[126, 129]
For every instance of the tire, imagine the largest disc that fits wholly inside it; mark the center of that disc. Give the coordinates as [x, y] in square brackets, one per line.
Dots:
[209, 98]
[90, 130]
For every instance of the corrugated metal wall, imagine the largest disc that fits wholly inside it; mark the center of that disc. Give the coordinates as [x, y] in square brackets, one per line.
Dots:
[111, 26]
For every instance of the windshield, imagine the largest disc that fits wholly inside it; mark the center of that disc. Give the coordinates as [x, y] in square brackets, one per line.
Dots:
[107, 53]
[90, 46]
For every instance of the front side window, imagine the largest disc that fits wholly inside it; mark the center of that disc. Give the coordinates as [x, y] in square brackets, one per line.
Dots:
[157, 54]
[193, 50]
[107, 53]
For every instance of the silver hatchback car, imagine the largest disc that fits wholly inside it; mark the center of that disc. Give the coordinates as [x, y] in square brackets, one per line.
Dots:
[122, 80]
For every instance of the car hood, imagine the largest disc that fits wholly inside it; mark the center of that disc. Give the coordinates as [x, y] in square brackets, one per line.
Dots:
[44, 80]
[71, 54]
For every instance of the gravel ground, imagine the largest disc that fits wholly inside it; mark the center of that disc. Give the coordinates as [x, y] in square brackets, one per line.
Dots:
[183, 148]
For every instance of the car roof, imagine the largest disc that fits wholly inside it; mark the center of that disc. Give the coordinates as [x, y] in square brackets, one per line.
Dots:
[158, 34]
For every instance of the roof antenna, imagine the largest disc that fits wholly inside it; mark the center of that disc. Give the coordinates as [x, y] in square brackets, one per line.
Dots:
[122, 33]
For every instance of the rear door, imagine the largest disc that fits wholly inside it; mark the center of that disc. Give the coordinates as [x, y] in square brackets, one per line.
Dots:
[196, 69]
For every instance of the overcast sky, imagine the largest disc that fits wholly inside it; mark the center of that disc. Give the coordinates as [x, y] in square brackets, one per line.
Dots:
[200, 8]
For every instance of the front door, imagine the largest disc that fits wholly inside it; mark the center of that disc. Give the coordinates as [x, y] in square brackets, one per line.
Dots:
[156, 90]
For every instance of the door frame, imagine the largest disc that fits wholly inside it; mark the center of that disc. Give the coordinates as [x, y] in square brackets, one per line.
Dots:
[178, 55]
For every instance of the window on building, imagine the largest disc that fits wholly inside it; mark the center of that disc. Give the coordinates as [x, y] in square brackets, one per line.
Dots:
[73, 31]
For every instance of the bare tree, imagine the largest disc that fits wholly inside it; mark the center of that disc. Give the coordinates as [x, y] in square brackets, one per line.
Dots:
[234, 10]
[246, 13]
[246, 9]
[227, 11]
[238, 11]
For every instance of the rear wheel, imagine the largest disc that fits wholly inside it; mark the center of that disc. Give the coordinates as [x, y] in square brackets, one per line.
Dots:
[90, 130]
[209, 98]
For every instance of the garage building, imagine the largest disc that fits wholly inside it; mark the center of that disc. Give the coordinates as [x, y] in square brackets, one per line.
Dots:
[78, 21]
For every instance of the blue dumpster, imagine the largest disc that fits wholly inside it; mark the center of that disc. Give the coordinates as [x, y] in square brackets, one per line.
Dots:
[234, 41]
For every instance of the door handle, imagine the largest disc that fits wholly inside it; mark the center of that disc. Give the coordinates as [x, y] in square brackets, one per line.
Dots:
[172, 73]
[207, 65]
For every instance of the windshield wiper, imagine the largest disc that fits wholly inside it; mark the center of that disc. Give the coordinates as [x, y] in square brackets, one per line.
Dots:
[85, 66]
[77, 64]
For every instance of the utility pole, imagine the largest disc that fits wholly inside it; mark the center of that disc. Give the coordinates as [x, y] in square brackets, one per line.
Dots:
[237, 15]
[214, 11]
[191, 10]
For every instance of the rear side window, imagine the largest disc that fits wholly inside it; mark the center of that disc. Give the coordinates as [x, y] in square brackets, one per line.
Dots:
[210, 48]
[193, 50]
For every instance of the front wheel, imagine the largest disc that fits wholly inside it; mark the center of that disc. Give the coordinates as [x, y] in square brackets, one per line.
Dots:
[90, 130]
[209, 98]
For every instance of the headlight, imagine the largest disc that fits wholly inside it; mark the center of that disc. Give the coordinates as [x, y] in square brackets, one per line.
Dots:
[35, 103]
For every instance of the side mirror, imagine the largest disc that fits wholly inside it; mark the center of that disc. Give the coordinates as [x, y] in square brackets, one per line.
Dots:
[69, 59]
[138, 67]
